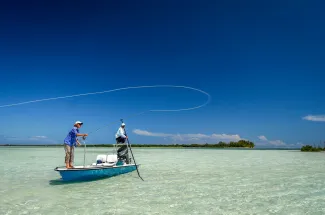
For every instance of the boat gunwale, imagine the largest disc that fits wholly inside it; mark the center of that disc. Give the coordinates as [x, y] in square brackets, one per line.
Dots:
[92, 168]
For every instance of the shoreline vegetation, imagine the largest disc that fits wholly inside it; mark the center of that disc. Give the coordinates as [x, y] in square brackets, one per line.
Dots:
[239, 144]
[309, 148]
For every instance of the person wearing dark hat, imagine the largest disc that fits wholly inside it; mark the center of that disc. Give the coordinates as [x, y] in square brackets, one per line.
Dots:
[70, 142]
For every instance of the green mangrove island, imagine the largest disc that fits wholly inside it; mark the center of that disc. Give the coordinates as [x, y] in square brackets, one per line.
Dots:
[309, 148]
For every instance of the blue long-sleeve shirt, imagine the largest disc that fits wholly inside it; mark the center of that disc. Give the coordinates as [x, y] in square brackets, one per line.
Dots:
[71, 138]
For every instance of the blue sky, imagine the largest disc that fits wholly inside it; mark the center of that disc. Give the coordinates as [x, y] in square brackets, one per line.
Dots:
[262, 63]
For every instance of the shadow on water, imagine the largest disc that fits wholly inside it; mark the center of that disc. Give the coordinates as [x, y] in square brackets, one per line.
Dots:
[61, 182]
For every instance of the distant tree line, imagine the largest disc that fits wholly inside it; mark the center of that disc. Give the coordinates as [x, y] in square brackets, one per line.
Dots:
[240, 143]
[309, 148]
[232, 144]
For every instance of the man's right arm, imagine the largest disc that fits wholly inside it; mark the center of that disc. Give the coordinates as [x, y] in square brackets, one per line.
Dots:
[78, 134]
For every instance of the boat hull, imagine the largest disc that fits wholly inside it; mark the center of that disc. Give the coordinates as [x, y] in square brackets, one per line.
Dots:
[93, 172]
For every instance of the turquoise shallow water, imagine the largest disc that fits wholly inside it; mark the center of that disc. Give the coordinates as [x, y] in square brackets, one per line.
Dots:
[177, 181]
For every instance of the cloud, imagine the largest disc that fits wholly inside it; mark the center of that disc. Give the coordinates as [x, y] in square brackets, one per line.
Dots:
[277, 143]
[13, 138]
[264, 141]
[262, 138]
[272, 142]
[9, 137]
[233, 137]
[41, 139]
[38, 137]
[315, 118]
[189, 137]
[151, 134]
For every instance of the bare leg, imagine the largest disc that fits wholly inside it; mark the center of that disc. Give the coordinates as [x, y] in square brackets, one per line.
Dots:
[67, 156]
[71, 156]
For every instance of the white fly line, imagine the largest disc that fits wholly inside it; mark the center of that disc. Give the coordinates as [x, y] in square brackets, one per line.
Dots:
[119, 89]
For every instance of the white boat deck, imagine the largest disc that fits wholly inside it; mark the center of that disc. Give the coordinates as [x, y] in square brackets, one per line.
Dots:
[89, 167]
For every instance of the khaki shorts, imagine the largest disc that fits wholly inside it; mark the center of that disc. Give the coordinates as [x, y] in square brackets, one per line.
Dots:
[69, 153]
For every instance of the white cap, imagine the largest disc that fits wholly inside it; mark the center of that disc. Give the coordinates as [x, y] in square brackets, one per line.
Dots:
[123, 124]
[78, 122]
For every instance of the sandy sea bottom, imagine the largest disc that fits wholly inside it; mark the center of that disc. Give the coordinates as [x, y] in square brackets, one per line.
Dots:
[177, 181]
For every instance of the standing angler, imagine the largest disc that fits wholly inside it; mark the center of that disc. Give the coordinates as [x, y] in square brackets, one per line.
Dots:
[70, 142]
[120, 134]
[122, 152]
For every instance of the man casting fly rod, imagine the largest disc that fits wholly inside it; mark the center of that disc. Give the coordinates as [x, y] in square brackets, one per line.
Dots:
[72, 141]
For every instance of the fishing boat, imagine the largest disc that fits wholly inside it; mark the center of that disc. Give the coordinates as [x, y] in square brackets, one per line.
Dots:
[105, 166]
[110, 165]
[95, 170]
